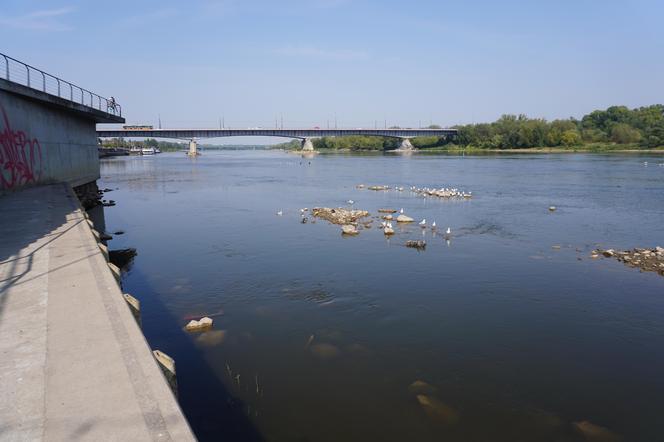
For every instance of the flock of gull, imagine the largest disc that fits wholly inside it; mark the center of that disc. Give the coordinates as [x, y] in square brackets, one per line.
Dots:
[443, 192]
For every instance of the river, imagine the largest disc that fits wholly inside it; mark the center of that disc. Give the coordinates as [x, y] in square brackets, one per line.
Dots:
[512, 331]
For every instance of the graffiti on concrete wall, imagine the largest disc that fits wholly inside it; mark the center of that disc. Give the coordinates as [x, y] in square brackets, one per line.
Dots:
[20, 156]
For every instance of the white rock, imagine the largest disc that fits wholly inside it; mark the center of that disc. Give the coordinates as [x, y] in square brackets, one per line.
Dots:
[193, 325]
[404, 219]
[349, 229]
[205, 322]
[388, 231]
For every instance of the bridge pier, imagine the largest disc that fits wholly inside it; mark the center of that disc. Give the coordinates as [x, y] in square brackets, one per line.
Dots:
[307, 145]
[406, 145]
[193, 148]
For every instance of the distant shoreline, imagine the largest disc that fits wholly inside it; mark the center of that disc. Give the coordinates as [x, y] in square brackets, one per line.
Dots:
[480, 151]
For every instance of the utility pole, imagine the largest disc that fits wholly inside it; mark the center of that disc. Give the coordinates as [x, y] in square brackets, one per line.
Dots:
[282, 121]
[159, 121]
[385, 123]
[335, 120]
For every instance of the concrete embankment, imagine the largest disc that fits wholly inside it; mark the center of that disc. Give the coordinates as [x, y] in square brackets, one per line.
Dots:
[74, 364]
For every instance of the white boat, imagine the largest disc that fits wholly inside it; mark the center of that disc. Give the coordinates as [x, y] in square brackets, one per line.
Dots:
[148, 151]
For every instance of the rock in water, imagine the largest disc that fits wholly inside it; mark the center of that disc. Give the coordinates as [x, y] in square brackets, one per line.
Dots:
[192, 325]
[595, 433]
[388, 231]
[339, 215]
[421, 387]
[387, 211]
[211, 338]
[437, 410]
[121, 257]
[202, 324]
[419, 245]
[349, 229]
[324, 351]
[552, 208]
[404, 219]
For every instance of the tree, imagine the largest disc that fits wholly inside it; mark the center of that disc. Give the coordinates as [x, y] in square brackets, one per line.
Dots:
[570, 138]
[622, 133]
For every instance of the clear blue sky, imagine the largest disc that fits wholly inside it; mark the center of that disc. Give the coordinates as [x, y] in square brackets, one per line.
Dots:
[363, 60]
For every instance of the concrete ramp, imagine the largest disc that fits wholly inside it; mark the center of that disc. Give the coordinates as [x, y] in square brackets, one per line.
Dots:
[73, 363]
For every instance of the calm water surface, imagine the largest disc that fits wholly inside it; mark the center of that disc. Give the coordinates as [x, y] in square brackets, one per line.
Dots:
[318, 337]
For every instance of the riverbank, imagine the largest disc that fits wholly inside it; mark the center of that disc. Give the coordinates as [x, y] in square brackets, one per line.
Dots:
[478, 151]
[75, 363]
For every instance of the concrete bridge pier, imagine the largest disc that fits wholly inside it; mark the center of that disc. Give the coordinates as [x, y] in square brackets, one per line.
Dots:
[406, 145]
[193, 148]
[307, 145]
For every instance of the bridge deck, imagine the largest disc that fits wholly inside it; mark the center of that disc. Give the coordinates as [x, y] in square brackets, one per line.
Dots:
[287, 133]
[73, 362]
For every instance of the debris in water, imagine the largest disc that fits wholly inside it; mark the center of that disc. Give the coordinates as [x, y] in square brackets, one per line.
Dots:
[190, 317]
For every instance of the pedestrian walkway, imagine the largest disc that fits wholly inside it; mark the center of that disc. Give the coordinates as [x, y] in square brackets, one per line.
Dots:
[74, 364]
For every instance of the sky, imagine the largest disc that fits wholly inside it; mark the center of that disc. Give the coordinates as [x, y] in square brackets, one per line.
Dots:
[364, 62]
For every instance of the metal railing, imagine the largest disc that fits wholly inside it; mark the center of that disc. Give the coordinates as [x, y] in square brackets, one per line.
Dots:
[26, 75]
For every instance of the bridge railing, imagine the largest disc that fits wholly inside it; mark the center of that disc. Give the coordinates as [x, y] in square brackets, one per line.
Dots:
[18, 72]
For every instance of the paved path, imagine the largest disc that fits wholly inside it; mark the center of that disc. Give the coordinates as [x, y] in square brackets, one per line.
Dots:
[74, 365]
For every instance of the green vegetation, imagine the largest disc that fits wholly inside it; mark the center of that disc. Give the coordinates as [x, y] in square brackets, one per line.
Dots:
[164, 146]
[617, 128]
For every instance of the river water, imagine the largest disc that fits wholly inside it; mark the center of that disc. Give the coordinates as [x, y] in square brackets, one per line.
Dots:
[516, 332]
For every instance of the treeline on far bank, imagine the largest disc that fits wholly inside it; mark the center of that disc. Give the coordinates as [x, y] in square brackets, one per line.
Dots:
[164, 146]
[617, 127]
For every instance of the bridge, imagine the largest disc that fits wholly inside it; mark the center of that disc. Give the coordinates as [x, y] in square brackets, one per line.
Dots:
[304, 134]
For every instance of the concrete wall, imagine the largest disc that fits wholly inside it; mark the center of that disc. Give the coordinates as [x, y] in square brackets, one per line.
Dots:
[42, 143]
